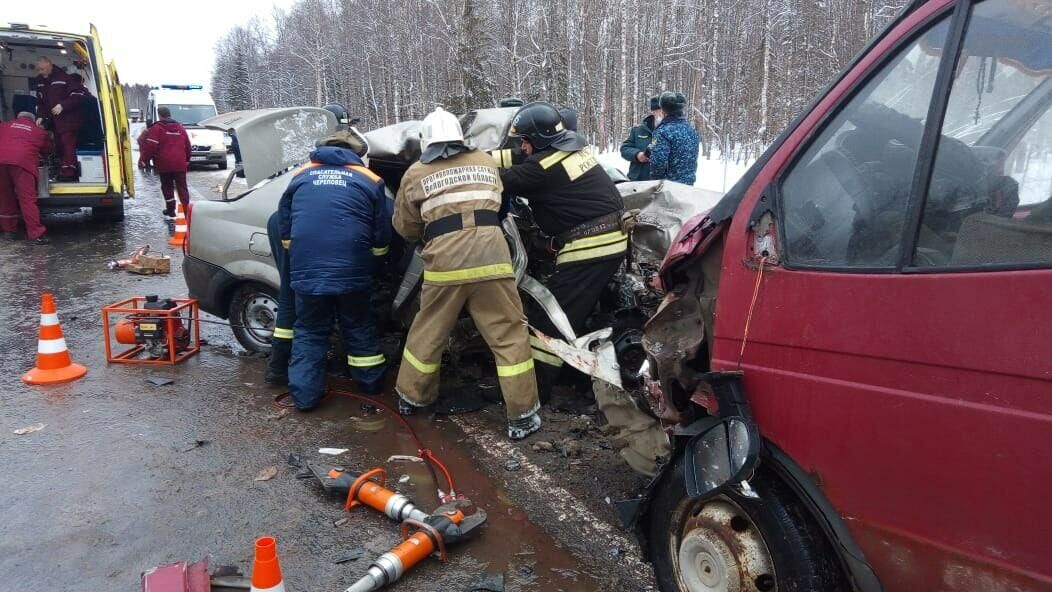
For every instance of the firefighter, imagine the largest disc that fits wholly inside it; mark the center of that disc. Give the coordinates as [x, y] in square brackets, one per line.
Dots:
[168, 146]
[450, 201]
[334, 218]
[575, 203]
[59, 98]
[22, 144]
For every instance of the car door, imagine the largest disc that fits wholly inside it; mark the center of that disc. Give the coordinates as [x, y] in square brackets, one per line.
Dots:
[897, 344]
[123, 131]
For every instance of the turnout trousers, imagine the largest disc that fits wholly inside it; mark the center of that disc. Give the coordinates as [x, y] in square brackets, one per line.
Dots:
[495, 307]
[310, 345]
[18, 192]
[281, 341]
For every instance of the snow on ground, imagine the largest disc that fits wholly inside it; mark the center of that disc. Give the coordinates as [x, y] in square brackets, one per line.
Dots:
[714, 173]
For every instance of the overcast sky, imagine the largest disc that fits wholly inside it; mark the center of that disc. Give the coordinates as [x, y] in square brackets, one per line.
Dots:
[147, 47]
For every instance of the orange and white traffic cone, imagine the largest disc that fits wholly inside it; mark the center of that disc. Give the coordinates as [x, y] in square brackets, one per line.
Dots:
[53, 362]
[266, 571]
[179, 238]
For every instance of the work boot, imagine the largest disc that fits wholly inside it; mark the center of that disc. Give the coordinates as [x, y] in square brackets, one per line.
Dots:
[520, 428]
[405, 409]
[277, 372]
[41, 240]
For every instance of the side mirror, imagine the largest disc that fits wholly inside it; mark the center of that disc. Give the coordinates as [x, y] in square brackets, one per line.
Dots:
[726, 452]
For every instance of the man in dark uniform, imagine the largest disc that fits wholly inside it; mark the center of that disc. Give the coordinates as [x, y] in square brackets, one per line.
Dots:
[575, 203]
[634, 148]
[59, 97]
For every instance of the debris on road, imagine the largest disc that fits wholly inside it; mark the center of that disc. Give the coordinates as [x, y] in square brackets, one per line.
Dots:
[354, 555]
[543, 446]
[177, 577]
[159, 381]
[340, 521]
[332, 451]
[404, 458]
[489, 583]
[281, 413]
[512, 465]
[403, 479]
[194, 444]
[30, 429]
[267, 473]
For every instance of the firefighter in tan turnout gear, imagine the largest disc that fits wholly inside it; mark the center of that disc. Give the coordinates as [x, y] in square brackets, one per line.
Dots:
[450, 201]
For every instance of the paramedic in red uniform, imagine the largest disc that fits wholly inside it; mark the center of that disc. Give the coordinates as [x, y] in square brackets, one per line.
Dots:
[22, 144]
[59, 97]
[168, 145]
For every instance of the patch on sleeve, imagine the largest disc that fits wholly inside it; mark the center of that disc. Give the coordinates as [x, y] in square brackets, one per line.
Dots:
[579, 163]
[462, 175]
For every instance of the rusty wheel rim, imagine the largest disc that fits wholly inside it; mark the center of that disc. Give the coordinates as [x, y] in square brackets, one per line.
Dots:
[720, 549]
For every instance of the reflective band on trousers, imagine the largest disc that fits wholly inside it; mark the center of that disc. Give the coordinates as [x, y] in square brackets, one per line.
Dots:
[381, 251]
[282, 333]
[471, 273]
[423, 367]
[514, 369]
[366, 361]
[612, 245]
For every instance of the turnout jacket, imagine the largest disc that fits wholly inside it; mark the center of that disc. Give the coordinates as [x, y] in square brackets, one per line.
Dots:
[167, 143]
[335, 214]
[459, 191]
[22, 144]
[638, 141]
[674, 151]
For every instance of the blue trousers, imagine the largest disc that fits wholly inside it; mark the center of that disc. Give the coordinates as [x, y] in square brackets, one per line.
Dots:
[314, 317]
[281, 342]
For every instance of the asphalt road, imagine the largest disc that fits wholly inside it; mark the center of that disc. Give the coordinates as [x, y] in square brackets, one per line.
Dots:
[126, 475]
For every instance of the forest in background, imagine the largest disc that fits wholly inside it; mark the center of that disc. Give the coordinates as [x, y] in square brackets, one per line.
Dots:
[747, 67]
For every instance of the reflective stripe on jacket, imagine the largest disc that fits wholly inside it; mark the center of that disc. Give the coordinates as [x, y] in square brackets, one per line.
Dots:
[455, 186]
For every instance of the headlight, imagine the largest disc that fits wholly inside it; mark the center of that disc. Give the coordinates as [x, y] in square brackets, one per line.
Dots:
[220, 147]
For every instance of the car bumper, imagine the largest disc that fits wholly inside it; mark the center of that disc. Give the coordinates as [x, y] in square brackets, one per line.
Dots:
[208, 157]
[209, 284]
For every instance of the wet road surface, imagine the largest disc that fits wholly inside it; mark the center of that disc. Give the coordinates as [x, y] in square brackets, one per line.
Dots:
[116, 483]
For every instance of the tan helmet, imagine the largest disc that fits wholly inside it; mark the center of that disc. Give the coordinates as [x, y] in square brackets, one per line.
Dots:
[440, 126]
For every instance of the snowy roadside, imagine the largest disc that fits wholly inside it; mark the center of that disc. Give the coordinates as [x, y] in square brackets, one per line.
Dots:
[714, 173]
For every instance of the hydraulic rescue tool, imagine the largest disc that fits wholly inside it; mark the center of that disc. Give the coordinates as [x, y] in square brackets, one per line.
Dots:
[433, 532]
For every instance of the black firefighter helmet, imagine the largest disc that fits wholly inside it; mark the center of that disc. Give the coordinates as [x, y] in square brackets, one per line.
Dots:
[542, 125]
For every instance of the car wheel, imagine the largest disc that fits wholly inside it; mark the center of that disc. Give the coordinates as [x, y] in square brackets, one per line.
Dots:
[222, 165]
[252, 312]
[109, 213]
[733, 543]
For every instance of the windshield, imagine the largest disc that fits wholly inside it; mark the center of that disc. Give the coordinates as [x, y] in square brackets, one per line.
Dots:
[191, 114]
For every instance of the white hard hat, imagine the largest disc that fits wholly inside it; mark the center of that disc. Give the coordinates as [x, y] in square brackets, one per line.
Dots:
[440, 126]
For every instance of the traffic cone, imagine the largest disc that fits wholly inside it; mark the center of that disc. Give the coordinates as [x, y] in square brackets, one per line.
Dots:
[266, 571]
[53, 363]
[179, 238]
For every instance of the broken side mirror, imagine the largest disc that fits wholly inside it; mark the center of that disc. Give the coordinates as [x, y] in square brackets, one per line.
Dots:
[725, 452]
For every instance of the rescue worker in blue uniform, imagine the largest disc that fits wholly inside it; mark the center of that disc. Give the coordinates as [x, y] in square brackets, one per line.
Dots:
[634, 148]
[277, 372]
[336, 220]
[674, 149]
[574, 202]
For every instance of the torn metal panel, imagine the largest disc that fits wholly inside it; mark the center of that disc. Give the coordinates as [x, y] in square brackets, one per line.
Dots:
[592, 354]
[663, 207]
[543, 296]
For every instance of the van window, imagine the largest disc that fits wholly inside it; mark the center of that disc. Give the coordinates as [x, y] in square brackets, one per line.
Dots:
[844, 200]
[988, 202]
[191, 114]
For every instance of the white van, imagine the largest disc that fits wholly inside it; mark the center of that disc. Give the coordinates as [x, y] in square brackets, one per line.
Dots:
[190, 104]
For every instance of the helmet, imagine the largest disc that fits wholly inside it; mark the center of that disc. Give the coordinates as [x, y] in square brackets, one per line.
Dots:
[440, 126]
[539, 123]
[672, 103]
[569, 115]
[655, 103]
[342, 117]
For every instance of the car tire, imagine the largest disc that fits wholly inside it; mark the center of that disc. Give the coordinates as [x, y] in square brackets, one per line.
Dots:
[222, 165]
[252, 311]
[734, 543]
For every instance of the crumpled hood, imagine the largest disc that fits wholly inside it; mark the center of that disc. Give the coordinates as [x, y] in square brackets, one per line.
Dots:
[335, 156]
